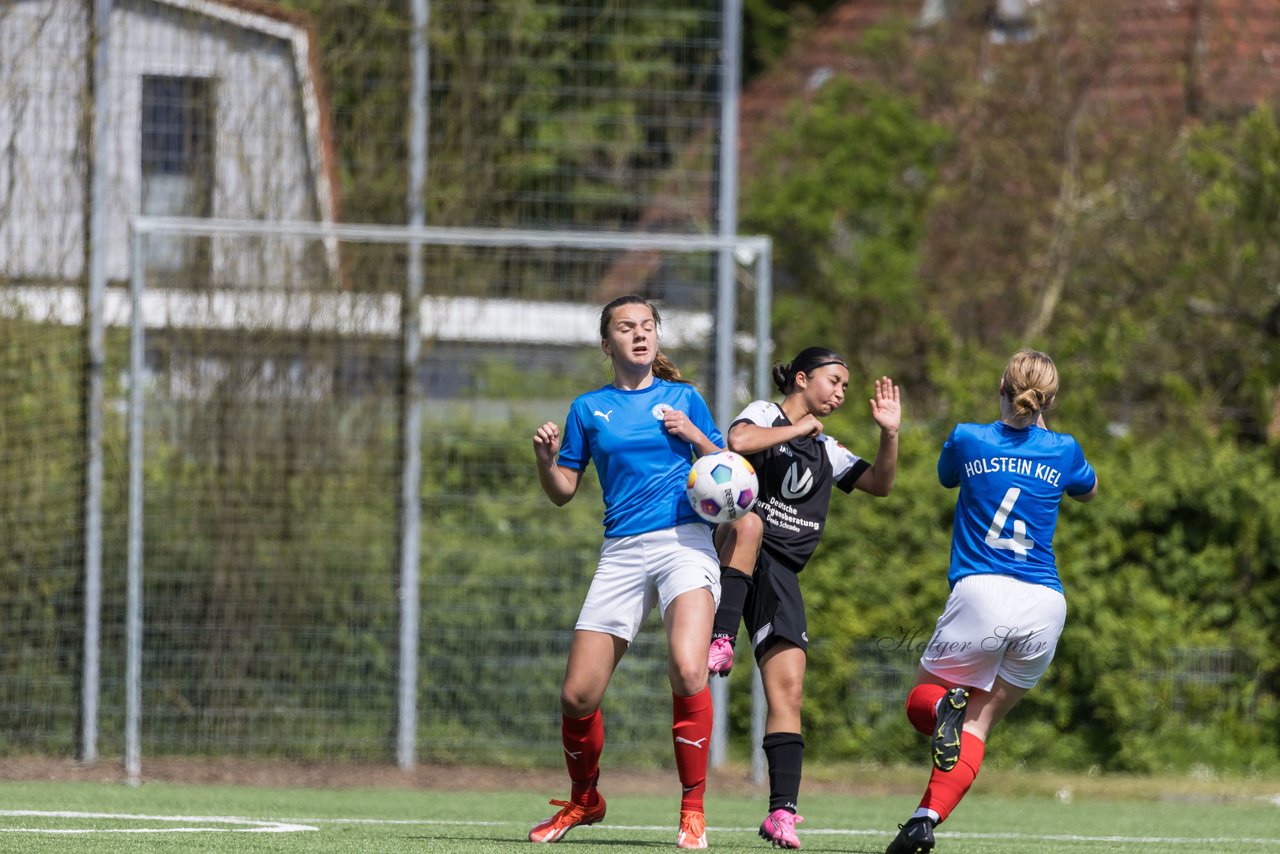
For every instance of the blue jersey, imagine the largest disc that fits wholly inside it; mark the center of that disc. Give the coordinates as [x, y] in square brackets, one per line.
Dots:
[642, 467]
[1011, 482]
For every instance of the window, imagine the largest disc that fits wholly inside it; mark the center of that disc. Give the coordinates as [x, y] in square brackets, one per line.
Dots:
[177, 170]
[934, 12]
[1005, 20]
[1013, 21]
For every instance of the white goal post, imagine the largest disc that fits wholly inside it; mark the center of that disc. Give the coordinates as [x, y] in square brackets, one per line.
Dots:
[408, 317]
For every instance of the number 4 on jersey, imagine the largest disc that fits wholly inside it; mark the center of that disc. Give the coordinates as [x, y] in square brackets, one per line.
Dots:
[1019, 543]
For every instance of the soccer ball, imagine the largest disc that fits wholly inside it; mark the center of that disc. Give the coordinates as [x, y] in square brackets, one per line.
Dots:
[722, 486]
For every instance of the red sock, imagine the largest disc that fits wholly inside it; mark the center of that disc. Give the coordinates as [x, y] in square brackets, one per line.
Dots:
[922, 706]
[945, 789]
[690, 732]
[583, 742]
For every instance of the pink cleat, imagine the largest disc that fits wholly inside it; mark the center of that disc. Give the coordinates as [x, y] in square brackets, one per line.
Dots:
[720, 656]
[779, 829]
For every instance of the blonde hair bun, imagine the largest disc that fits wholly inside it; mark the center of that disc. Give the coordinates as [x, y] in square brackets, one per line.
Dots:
[1031, 383]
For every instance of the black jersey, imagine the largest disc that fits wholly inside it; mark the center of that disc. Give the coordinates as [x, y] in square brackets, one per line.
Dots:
[796, 478]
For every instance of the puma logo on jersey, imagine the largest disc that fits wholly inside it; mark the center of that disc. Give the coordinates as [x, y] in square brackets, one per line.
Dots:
[794, 485]
[604, 415]
[682, 740]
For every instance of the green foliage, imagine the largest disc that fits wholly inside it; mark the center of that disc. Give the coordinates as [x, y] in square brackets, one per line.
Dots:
[843, 200]
[1143, 257]
[1234, 167]
[769, 27]
[1170, 317]
[539, 114]
[364, 54]
[269, 565]
[40, 534]
[511, 380]
[1181, 556]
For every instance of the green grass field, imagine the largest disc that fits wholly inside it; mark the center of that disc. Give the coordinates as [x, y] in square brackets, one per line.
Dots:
[1029, 817]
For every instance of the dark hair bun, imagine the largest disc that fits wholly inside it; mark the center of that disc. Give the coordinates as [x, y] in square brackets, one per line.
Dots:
[780, 376]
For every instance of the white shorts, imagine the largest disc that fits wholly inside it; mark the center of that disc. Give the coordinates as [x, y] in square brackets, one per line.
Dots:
[642, 570]
[994, 625]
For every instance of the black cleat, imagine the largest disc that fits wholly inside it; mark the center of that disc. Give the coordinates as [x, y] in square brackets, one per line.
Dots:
[914, 837]
[946, 732]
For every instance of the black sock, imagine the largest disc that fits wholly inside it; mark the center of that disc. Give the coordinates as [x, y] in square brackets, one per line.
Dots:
[735, 586]
[785, 754]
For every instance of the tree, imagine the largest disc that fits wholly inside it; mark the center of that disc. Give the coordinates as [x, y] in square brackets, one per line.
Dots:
[541, 115]
[844, 198]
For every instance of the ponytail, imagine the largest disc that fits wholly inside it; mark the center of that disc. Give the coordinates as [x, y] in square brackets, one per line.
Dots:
[1031, 384]
[665, 369]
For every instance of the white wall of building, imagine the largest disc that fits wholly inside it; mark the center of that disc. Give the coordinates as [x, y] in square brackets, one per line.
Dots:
[266, 154]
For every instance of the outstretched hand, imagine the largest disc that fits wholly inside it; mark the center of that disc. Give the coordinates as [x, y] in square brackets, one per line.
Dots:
[886, 406]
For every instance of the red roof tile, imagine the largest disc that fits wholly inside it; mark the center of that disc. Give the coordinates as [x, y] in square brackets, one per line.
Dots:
[1170, 60]
[1175, 58]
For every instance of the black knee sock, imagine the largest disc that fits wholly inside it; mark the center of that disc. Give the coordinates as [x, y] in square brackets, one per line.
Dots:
[735, 586]
[785, 754]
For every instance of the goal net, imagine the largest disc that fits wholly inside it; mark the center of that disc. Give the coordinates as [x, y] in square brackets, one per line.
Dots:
[281, 409]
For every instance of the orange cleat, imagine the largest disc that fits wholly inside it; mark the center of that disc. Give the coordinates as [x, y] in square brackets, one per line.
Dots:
[570, 816]
[693, 830]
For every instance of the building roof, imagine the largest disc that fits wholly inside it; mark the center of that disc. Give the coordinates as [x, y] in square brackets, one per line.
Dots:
[1193, 58]
[296, 29]
[1181, 59]
[1170, 60]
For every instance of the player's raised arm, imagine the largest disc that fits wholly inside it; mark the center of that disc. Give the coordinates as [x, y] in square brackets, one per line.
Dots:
[886, 410]
[559, 483]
